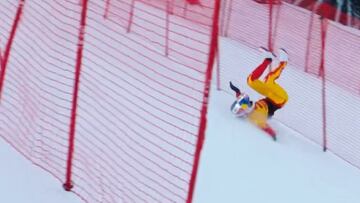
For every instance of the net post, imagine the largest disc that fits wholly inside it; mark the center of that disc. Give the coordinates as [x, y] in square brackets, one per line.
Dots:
[0, 57]
[167, 26]
[222, 17]
[311, 25]
[270, 47]
[68, 185]
[218, 86]
[107, 8]
[131, 16]
[6, 55]
[185, 9]
[228, 19]
[322, 72]
[203, 119]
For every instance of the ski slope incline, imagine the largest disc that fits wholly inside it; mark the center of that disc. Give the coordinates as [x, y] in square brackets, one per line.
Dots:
[240, 163]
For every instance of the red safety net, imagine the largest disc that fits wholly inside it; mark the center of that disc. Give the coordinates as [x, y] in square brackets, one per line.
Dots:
[322, 79]
[109, 96]
[36, 93]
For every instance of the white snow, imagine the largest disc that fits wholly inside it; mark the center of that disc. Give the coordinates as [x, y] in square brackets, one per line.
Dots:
[23, 182]
[239, 163]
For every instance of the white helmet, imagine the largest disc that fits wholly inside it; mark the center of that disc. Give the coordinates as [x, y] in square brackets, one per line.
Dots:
[241, 106]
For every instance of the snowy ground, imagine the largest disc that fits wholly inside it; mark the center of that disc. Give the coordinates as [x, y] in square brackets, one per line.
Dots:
[22, 182]
[238, 164]
[241, 164]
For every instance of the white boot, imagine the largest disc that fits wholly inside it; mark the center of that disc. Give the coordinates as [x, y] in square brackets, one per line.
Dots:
[283, 55]
[266, 54]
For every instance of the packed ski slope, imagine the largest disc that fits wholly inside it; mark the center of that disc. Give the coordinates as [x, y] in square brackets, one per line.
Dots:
[23, 182]
[242, 164]
[239, 163]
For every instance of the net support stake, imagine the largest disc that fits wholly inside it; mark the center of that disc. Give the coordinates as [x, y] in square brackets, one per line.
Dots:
[68, 185]
[203, 119]
[6, 55]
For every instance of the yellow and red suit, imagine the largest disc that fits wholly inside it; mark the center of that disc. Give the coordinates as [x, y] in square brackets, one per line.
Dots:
[275, 95]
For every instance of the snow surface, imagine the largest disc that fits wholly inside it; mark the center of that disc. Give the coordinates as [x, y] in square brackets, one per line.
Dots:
[239, 163]
[23, 182]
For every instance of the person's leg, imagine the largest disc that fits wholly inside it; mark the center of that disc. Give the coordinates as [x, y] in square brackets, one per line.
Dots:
[258, 71]
[269, 88]
[253, 79]
[276, 93]
[275, 74]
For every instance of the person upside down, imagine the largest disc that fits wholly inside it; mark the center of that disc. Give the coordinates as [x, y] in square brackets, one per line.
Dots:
[275, 97]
